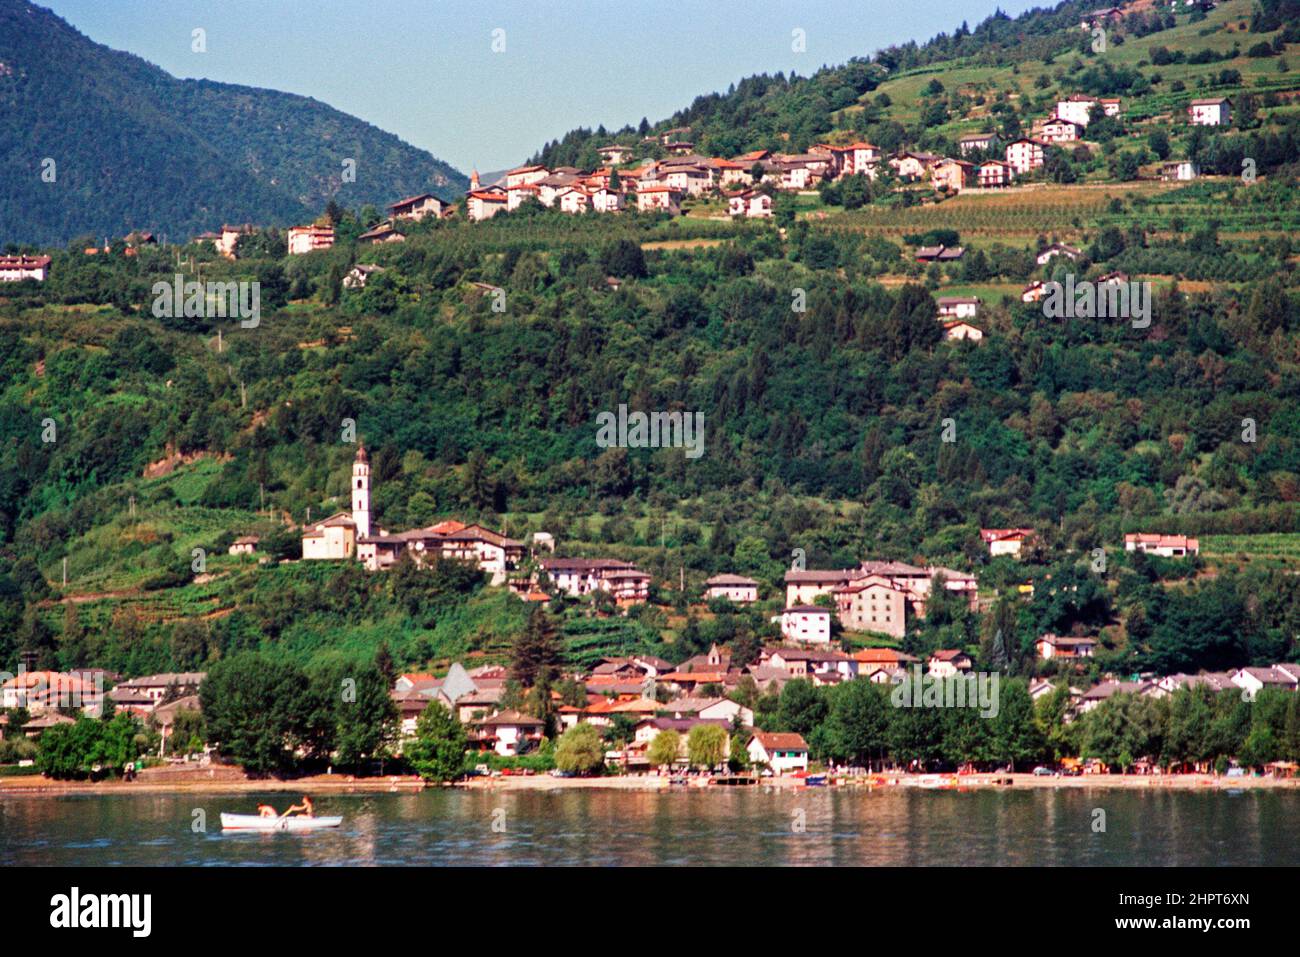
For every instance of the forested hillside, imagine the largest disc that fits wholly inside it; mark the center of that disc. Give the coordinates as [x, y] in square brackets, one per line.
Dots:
[135, 148]
[840, 424]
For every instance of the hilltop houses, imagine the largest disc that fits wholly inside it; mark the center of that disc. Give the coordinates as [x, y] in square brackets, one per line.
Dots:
[1212, 111]
[1078, 108]
[418, 207]
[626, 583]
[867, 597]
[382, 233]
[1179, 171]
[308, 239]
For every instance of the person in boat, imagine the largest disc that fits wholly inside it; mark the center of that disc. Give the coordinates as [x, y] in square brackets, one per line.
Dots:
[265, 810]
[305, 808]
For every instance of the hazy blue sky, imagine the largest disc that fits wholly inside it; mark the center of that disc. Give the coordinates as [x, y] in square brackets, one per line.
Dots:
[425, 70]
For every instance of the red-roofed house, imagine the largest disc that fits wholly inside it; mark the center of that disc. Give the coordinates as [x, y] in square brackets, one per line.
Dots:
[781, 752]
[1005, 541]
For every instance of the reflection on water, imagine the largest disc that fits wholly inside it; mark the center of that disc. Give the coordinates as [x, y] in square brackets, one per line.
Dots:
[726, 826]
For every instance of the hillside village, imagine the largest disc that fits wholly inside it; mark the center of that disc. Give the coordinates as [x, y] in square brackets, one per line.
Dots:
[1099, 535]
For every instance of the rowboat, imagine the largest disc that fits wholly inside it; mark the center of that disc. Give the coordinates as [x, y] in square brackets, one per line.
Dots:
[255, 822]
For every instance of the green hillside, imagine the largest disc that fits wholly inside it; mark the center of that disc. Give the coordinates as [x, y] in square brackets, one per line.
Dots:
[136, 148]
[824, 425]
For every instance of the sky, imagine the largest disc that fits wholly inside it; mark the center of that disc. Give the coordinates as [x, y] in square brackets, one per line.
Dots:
[426, 70]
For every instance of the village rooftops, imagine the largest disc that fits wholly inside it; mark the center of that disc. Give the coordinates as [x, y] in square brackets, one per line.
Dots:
[24, 262]
[166, 679]
[725, 579]
[882, 656]
[411, 201]
[804, 654]
[807, 610]
[511, 718]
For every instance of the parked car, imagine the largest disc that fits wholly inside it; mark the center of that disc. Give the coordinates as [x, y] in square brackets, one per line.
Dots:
[1043, 771]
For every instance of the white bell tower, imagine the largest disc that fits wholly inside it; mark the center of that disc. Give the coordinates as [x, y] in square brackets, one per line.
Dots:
[361, 492]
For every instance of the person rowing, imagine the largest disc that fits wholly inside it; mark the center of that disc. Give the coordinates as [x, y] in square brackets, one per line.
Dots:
[305, 808]
[265, 810]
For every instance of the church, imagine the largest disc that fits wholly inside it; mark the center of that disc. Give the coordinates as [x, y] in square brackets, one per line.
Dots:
[349, 535]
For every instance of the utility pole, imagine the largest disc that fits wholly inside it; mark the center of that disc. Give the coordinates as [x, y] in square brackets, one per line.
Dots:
[65, 571]
[132, 504]
[243, 392]
[261, 492]
[218, 339]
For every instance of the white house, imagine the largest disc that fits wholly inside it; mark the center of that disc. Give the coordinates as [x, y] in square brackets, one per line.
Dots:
[977, 141]
[244, 545]
[959, 329]
[806, 623]
[615, 154]
[737, 588]
[18, 268]
[1024, 155]
[1054, 646]
[750, 204]
[1058, 249]
[510, 732]
[958, 307]
[1059, 130]
[1005, 541]
[1179, 171]
[659, 199]
[485, 203]
[1216, 111]
[948, 663]
[710, 709]
[1167, 546]
[782, 753]
[306, 239]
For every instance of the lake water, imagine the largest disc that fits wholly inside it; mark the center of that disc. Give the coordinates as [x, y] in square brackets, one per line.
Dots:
[899, 826]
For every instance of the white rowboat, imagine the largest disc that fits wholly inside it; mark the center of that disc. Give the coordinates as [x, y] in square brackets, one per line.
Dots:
[255, 822]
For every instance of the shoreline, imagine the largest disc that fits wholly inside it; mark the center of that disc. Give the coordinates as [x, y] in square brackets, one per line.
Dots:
[36, 786]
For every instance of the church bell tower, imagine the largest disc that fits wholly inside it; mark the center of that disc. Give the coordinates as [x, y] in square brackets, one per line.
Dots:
[361, 492]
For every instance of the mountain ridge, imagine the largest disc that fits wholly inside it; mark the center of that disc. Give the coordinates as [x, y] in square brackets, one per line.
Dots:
[160, 158]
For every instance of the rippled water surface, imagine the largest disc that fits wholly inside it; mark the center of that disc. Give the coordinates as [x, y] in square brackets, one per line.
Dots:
[722, 826]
